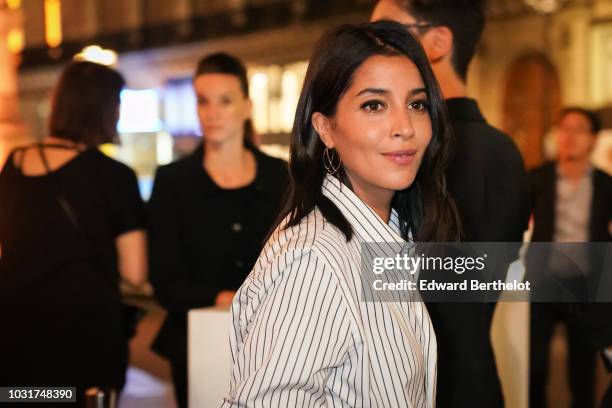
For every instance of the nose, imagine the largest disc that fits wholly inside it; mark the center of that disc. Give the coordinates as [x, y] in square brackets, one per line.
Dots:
[564, 136]
[402, 124]
[210, 111]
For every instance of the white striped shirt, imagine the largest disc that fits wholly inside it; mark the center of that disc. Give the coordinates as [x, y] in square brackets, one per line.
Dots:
[301, 335]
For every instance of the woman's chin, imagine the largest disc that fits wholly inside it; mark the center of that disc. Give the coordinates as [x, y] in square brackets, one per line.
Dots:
[401, 181]
[214, 138]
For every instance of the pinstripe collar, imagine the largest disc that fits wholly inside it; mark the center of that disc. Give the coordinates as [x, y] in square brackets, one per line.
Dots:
[366, 224]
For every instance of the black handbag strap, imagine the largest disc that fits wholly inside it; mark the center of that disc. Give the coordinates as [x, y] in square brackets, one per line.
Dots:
[87, 243]
[64, 204]
[43, 157]
[130, 314]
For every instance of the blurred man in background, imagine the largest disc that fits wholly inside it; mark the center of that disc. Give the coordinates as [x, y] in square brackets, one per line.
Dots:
[572, 203]
[487, 179]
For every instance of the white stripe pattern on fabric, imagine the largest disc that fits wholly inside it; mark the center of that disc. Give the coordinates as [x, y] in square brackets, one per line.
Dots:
[301, 335]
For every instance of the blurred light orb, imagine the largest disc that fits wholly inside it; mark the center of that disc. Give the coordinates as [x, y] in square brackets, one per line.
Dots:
[260, 79]
[545, 6]
[97, 54]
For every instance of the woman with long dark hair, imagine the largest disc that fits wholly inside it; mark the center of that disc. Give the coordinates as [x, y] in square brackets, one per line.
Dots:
[210, 212]
[72, 225]
[368, 152]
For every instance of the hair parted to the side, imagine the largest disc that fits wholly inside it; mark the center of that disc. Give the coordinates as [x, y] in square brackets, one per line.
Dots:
[85, 104]
[465, 18]
[223, 63]
[424, 208]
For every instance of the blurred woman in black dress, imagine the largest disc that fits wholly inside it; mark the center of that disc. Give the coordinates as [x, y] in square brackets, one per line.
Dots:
[71, 227]
[210, 212]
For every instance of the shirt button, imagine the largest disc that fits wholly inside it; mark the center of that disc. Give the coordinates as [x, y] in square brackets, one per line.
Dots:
[236, 227]
[239, 264]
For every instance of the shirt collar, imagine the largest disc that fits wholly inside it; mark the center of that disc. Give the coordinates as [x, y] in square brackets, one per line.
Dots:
[367, 225]
[376, 238]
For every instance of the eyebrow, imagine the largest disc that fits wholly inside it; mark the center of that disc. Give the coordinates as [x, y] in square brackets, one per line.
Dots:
[224, 95]
[381, 91]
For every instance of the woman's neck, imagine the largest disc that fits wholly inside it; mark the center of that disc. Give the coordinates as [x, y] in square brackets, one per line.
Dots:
[378, 200]
[229, 164]
[382, 211]
[61, 141]
[224, 155]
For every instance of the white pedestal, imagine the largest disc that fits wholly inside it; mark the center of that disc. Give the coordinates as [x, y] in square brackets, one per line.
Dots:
[510, 337]
[209, 356]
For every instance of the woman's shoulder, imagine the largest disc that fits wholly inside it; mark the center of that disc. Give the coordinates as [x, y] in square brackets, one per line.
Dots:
[181, 167]
[9, 164]
[269, 163]
[294, 255]
[313, 240]
[101, 161]
[296, 239]
[88, 162]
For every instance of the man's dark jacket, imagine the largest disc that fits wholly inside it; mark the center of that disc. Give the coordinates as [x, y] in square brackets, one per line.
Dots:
[595, 319]
[487, 179]
[543, 182]
[543, 185]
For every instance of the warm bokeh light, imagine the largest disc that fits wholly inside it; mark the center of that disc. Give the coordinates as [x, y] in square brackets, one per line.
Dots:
[15, 40]
[13, 4]
[545, 6]
[258, 90]
[275, 91]
[53, 22]
[97, 54]
[164, 144]
[290, 94]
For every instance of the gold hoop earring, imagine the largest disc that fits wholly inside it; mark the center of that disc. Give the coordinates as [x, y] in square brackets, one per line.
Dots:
[328, 162]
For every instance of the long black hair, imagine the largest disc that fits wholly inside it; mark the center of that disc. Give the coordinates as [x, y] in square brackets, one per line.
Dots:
[222, 63]
[424, 208]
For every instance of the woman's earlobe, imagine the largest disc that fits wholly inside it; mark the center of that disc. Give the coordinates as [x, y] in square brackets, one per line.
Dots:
[322, 126]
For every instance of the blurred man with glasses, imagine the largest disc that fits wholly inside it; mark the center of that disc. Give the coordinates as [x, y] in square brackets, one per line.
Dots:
[487, 179]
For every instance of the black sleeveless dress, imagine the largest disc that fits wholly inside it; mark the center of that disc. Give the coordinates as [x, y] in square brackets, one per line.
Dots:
[60, 310]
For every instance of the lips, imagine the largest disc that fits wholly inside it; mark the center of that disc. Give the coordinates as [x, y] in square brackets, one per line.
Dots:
[401, 157]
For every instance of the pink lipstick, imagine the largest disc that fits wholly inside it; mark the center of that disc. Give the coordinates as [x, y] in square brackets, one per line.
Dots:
[401, 157]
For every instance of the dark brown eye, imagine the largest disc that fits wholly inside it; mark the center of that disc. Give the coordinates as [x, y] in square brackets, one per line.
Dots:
[419, 106]
[373, 106]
